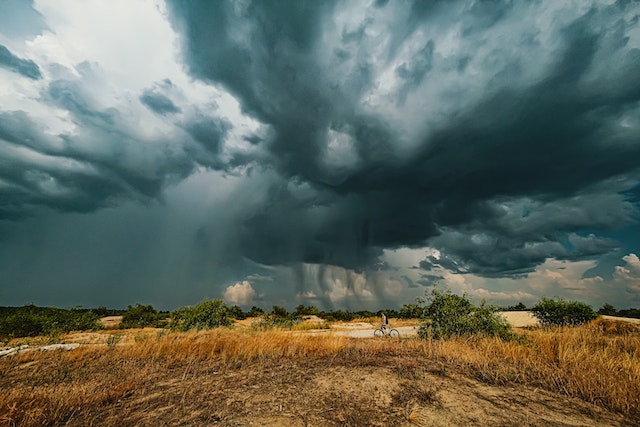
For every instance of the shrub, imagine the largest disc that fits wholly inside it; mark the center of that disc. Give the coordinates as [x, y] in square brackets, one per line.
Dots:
[235, 312]
[412, 311]
[607, 310]
[206, 315]
[140, 316]
[29, 321]
[452, 315]
[338, 315]
[559, 312]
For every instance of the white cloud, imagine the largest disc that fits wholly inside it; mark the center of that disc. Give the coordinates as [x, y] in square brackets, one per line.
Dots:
[306, 295]
[629, 274]
[341, 283]
[242, 293]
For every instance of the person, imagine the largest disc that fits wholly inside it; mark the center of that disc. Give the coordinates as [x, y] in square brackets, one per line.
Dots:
[385, 323]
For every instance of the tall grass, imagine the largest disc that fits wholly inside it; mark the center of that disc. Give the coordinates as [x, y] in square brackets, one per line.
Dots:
[599, 362]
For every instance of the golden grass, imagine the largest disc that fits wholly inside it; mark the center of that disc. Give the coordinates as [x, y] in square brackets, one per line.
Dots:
[599, 363]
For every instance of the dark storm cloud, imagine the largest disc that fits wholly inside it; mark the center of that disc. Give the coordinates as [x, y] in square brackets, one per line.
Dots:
[158, 102]
[26, 67]
[514, 132]
[101, 163]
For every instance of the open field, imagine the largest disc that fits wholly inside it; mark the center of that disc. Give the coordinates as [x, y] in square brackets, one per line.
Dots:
[557, 377]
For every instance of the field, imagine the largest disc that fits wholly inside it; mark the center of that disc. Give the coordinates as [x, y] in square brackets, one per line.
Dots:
[238, 377]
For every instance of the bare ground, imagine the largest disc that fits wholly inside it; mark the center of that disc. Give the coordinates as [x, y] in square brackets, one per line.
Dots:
[401, 387]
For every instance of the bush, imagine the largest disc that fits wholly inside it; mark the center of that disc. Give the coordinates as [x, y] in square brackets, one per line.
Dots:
[452, 315]
[412, 311]
[141, 316]
[607, 310]
[30, 321]
[559, 312]
[235, 312]
[206, 315]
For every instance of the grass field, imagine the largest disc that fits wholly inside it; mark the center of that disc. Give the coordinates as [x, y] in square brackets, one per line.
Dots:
[573, 376]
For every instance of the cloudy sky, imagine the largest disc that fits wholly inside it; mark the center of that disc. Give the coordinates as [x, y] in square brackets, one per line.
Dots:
[345, 154]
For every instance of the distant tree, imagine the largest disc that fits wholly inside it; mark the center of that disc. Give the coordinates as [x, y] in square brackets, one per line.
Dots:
[141, 316]
[629, 312]
[279, 311]
[559, 312]
[301, 310]
[30, 320]
[255, 312]
[101, 311]
[235, 312]
[449, 315]
[412, 311]
[518, 307]
[607, 310]
[338, 315]
[206, 315]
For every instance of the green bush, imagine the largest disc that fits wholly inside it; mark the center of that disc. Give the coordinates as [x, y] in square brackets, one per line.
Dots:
[607, 310]
[412, 311]
[559, 312]
[235, 312]
[450, 315]
[30, 321]
[206, 315]
[141, 316]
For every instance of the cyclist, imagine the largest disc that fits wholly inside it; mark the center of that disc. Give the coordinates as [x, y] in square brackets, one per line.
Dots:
[385, 323]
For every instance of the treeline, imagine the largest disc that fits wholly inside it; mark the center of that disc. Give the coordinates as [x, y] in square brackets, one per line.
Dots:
[31, 320]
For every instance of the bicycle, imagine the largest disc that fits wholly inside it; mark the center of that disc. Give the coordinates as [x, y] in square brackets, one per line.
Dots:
[380, 332]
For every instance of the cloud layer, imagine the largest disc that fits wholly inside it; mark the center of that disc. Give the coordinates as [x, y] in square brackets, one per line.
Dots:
[495, 132]
[360, 148]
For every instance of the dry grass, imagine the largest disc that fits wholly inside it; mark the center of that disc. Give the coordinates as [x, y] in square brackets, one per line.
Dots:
[599, 363]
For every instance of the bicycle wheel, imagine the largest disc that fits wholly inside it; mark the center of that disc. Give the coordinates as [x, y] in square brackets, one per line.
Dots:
[378, 333]
[394, 333]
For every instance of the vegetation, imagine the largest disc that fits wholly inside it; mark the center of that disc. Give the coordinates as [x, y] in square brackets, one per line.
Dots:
[170, 376]
[559, 312]
[609, 310]
[30, 321]
[451, 315]
[141, 316]
[206, 315]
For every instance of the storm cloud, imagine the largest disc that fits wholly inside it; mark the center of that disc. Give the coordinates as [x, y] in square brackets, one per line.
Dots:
[26, 67]
[455, 125]
[348, 151]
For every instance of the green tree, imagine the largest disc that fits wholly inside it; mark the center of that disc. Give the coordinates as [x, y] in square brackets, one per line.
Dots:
[235, 312]
[141, 316]
[450, 315]
[559, 312]
[255, 312]
[301, 310]
[607, 310]
[279, 311]
[412, 311]
[206, 315]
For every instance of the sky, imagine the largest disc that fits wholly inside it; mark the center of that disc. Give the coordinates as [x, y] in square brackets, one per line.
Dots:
[342, 154]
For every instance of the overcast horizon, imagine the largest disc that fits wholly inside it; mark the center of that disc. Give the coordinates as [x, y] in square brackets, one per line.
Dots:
[341, 154]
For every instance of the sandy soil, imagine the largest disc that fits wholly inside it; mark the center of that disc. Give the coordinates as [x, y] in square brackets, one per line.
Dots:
[111, 322]
[363, 389]
[401, 390]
